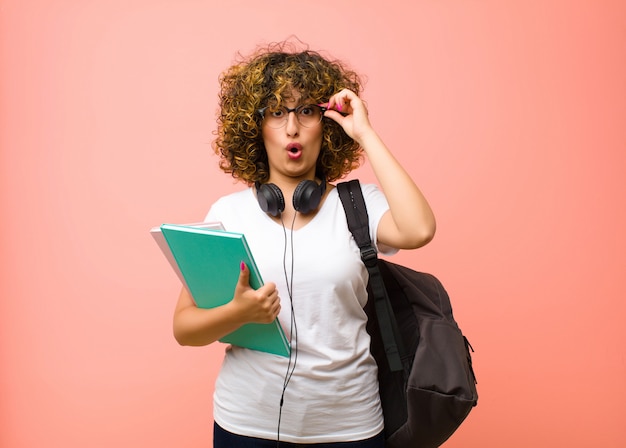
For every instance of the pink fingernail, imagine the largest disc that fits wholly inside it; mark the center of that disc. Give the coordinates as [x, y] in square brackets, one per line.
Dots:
[339, 107]
[242, 266]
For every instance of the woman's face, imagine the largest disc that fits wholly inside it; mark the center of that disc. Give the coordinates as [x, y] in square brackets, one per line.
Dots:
[293, 149]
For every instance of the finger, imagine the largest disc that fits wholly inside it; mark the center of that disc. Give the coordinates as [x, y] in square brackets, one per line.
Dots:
[343, 106]
[267, 289]
[277, 311]
[335, 116]
[244, 275]
[336, 102]
[271, 310]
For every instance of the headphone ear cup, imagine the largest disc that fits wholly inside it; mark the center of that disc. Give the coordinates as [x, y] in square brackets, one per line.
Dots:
[271, 199]
[307, 196]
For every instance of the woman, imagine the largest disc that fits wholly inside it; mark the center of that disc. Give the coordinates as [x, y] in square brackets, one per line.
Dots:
[290, 122]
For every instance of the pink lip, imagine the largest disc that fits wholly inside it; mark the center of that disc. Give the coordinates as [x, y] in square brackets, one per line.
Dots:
[294, 151]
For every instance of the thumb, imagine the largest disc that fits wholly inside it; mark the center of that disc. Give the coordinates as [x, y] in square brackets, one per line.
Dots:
[244, 276]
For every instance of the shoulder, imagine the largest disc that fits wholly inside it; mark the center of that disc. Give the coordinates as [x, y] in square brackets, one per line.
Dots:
[377, 206]
[242, 196]
[374, 197]
[375, 200]
[231, 204]
[370, 189]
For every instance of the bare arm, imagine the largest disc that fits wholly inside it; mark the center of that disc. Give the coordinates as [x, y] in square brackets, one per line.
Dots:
[198, 326]
[410, 222]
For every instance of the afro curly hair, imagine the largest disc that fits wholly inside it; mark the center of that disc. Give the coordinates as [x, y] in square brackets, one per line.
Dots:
[268, 78]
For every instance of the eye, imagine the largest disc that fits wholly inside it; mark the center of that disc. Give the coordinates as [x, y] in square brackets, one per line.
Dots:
[279, 113]
[307, 111]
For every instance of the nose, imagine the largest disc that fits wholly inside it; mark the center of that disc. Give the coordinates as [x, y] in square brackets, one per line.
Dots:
[293, 126]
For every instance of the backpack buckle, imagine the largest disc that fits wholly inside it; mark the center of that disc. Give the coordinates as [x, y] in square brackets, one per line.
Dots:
[369, 256]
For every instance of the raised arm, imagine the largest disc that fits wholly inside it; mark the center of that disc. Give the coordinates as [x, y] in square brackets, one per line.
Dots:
[410, 222]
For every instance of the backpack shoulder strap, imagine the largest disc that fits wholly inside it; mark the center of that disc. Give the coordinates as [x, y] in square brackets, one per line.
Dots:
[356, 214]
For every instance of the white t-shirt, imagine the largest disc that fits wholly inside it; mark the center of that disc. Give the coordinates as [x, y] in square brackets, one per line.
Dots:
[332, 395]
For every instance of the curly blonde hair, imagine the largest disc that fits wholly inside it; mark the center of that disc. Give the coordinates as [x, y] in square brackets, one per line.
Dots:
[268, 78]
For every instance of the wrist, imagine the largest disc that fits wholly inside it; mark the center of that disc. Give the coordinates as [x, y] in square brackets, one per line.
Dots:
[368, 139]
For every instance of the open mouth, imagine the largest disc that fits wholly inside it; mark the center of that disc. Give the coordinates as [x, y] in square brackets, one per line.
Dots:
[294, 150]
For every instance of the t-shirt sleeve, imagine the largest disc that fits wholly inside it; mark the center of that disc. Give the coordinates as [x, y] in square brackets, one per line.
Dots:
[228, 210]
[213, 213]
[232, 210]
[377, 205]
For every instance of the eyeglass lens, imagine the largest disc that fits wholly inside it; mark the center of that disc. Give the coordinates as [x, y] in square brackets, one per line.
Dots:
[308, 115]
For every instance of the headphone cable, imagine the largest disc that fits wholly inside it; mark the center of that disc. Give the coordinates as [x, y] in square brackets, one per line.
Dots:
[293, 331]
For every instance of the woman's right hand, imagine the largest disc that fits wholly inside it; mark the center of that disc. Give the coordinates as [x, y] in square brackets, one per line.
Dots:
[201, 326]
[255, 305]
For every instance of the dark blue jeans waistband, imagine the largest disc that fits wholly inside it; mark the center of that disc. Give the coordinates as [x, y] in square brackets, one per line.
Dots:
[225, 439]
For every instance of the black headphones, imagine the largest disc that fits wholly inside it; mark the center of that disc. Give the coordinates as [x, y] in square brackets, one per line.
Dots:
[306, 197]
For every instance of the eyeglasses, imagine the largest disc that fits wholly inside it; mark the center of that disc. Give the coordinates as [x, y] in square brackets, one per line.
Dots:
[308, 115]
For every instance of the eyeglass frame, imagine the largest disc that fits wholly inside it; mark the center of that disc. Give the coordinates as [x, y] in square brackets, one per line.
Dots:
[323, 109]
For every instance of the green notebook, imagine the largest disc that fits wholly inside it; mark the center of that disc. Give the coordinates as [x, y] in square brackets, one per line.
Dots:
[209, 261]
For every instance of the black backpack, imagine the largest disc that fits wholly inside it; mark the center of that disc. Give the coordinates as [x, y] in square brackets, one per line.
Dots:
[426, 380]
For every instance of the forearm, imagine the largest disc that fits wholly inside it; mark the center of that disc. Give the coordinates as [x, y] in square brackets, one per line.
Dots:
[197, 326]
[411, 214]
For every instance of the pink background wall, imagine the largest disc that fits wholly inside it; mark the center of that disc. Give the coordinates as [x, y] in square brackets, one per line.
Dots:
[509, 114]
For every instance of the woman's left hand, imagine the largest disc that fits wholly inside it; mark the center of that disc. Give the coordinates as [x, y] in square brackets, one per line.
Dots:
[409, 223]
[347, 109]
